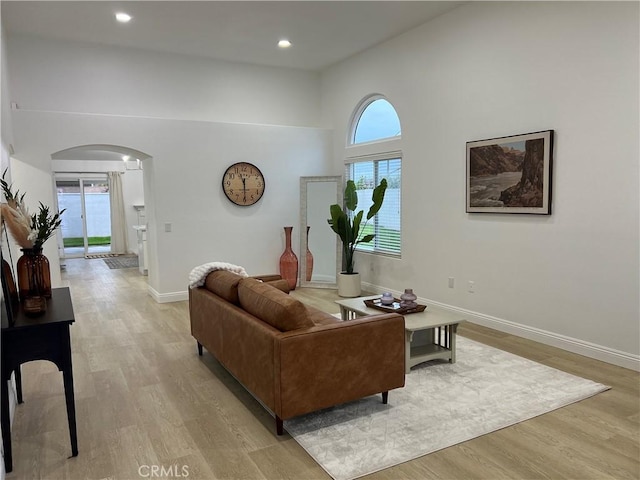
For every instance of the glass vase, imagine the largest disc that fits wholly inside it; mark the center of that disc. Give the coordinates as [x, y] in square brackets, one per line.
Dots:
[289, 261]
[34, 280]
[408, 298]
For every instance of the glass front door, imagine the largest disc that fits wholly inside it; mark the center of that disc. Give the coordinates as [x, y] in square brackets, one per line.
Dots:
[86, 222]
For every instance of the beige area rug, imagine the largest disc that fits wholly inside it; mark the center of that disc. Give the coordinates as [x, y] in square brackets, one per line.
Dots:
[441, 405]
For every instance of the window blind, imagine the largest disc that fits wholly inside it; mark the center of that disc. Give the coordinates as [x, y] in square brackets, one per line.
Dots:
[386, 225]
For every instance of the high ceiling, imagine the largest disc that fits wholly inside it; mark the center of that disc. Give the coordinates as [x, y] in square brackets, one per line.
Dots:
[322, 33]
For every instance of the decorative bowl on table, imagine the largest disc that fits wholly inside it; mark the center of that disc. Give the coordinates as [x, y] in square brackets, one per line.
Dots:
[387, 299]
[395, 307]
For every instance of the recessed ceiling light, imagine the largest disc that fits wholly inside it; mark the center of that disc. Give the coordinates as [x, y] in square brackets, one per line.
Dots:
[125, 158]
[284, 43]
[123, 17]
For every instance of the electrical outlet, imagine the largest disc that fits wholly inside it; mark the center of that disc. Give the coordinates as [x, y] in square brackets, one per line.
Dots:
[471, 286]
[167, 227]
[451, 282]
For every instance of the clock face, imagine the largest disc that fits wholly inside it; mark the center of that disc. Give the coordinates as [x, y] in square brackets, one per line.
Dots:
[243, 184]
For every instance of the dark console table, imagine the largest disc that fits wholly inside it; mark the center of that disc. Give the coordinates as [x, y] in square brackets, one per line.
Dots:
[42, 337]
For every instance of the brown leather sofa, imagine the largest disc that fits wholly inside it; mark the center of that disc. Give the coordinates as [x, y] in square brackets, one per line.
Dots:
[294, 358]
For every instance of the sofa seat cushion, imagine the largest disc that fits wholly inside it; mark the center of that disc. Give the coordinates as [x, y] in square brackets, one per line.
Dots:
[224, 284]
[272, 305]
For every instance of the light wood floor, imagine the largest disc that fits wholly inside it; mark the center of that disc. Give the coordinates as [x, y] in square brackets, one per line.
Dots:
[144, 398]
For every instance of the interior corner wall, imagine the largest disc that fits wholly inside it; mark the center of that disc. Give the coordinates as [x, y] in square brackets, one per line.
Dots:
[490, 69]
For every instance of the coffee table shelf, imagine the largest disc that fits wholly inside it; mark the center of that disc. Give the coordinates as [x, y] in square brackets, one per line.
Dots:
[437, 343]
[425, 353]
[429, 335]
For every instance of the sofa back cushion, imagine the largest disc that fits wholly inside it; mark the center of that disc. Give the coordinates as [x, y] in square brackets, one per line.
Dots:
[281, 284]
[272, 305]
[224, 284]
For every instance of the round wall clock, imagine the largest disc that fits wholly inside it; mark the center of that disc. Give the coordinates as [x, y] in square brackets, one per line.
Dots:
[243, 184]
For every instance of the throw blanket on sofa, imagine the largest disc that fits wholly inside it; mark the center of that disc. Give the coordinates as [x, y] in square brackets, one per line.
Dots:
[199, 274]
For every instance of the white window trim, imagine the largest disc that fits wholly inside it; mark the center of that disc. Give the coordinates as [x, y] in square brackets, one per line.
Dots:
[376, 150]
[355, 119]
[375, 157]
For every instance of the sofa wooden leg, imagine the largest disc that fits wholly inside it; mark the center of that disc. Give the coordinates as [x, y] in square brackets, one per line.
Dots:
[385, 397]
[279, 427]
[199, 349]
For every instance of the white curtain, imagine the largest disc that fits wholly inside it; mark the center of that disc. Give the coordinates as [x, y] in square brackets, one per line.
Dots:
[118, 224]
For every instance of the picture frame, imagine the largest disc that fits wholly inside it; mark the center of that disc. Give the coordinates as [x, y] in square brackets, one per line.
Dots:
[510, 174]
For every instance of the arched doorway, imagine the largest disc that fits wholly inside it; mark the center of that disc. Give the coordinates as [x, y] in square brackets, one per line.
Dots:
[96, 207]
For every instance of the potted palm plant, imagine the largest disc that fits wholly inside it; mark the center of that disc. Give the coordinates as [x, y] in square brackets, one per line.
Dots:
[349, 227]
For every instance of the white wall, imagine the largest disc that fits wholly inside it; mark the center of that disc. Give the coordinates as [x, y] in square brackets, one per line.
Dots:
[491, 69]
[79, 77]
[5, 110]
[184, 185]
[207, 116]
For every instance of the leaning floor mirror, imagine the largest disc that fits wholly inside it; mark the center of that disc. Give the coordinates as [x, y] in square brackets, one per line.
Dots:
[320, 259]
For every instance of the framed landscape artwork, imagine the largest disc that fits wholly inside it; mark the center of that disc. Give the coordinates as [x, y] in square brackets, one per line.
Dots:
[510, 174]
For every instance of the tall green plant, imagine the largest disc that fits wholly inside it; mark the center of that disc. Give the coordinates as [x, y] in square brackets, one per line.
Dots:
[352, 232]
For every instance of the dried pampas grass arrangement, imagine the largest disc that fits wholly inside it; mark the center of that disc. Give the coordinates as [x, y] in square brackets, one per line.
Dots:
[19, 225]
[28, 231]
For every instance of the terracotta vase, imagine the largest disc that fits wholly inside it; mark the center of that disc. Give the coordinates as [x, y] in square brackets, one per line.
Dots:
[34, 280]
[289, 261]
[309, 258]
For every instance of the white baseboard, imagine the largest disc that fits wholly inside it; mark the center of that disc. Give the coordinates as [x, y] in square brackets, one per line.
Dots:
[574, 345]
[167, 297]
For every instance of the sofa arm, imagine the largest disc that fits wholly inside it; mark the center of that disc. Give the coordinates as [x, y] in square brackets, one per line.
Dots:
[327, 365]
[274, 280]
[267, 277]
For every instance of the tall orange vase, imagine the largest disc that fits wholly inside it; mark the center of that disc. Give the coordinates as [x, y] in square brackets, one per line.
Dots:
[289, 261]
[309, 258]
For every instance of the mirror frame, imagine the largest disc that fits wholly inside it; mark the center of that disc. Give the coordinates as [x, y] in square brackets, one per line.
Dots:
[304, 181]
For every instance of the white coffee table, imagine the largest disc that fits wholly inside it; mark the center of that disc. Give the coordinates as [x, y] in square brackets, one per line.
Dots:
[429, 335]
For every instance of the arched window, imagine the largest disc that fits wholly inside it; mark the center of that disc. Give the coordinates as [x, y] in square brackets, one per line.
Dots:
[377, 120]
[372, 153]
